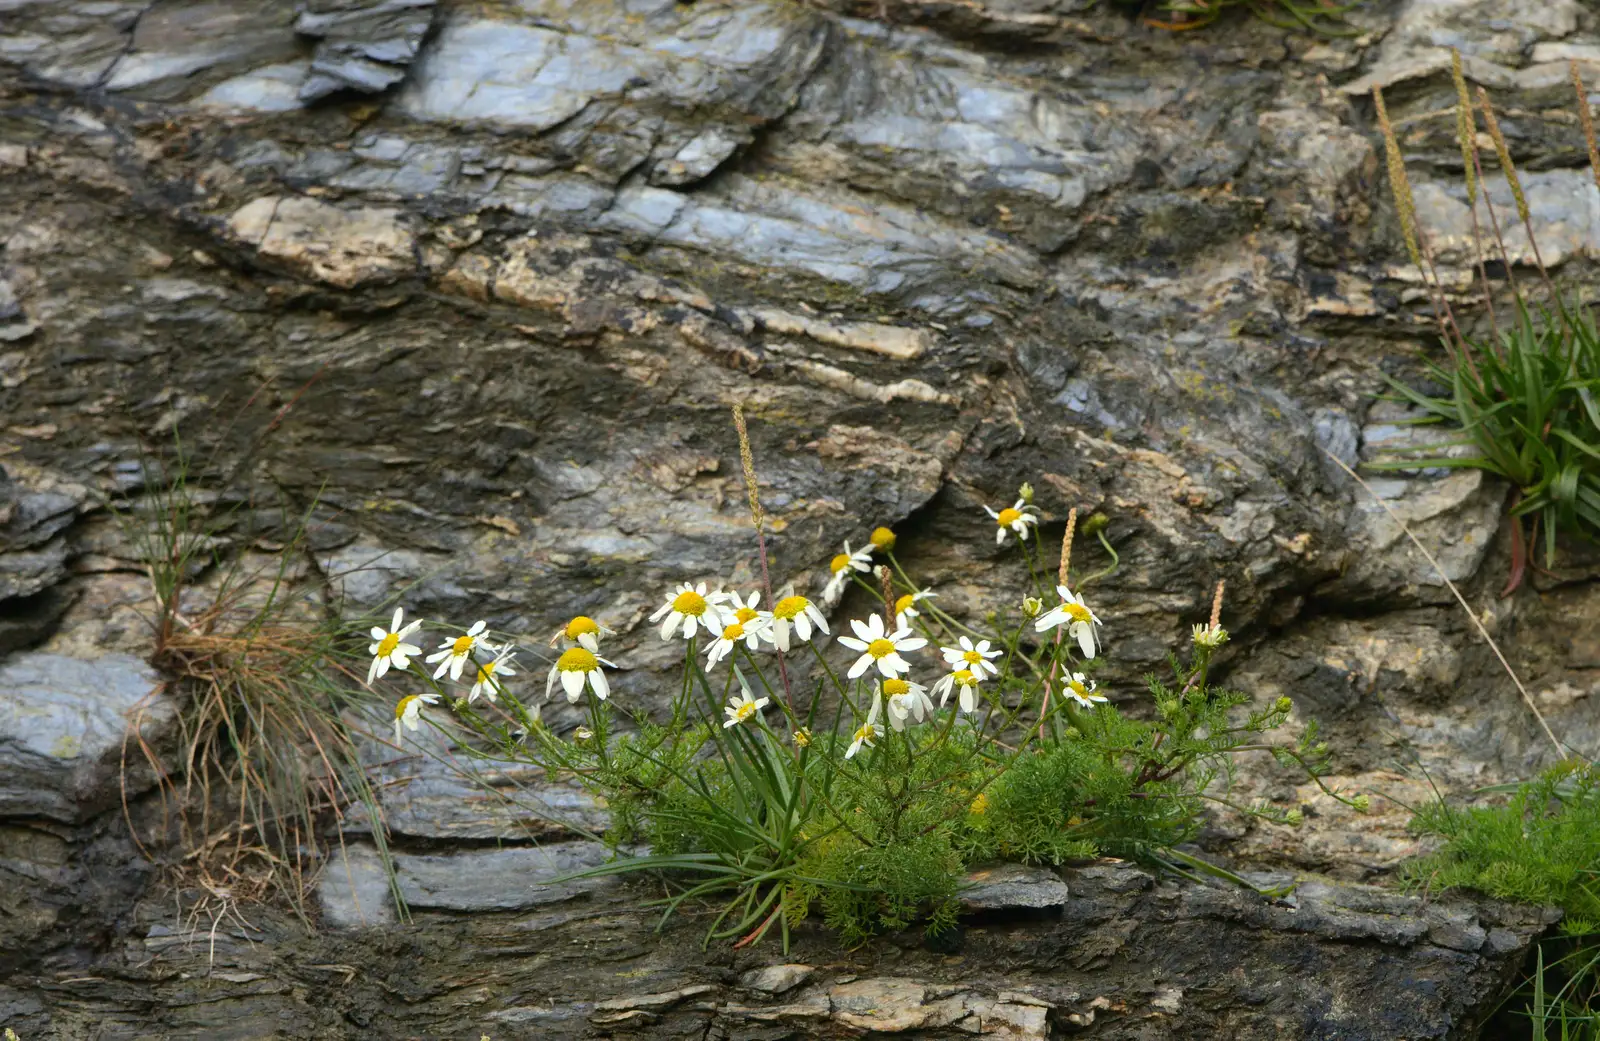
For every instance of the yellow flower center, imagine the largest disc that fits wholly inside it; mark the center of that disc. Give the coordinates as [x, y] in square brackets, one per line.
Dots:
[1077, 612]
[387, 645]
[733, 632]
[1077, 687]
[463, 645]
[883, 538]
[746, 614]
[486, 670]
[895, 687]
[839, 563]
[689, 602]
[880, 648]
[965, 677]
[1008, 516]
[867, 732]
[972, 657]
[405, 703]
[802, 737]
[979, 804]
[745, 711]
[581, 625]
[576, 659]
[790, 607]
[904, 602]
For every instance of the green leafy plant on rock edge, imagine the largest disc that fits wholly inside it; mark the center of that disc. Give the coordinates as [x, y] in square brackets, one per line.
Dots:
[863, 797]
[1542, 846]
[1525, 398]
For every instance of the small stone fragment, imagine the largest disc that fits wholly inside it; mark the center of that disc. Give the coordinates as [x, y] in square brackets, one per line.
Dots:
[1013, 887]
[776, 979]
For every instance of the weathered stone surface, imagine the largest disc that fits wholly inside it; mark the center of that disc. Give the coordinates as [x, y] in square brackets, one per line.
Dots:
[346, 248]
[444, 794]
[1012, 887]
[363, 45]
[491, 313]
[356, 891]
[1128, 955]
[62, 726]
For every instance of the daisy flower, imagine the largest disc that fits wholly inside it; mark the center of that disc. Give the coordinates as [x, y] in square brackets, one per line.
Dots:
[1081, 690]
[1076, 616]
[1207, 636]
[583, 631]
[974, 657]
[905, 700]
[691, 604]
[868, 732]
[905, 608]
[742, 706]
[802, 737]
[409, 711]
[840, 568]
[389, 648]
[732, 633]
[453, 655]
[1014, 518]
[882, 538]
[796, 612]
[880, 648]
[489, 674]
[743, 609]
[575, 667]
[968, 681]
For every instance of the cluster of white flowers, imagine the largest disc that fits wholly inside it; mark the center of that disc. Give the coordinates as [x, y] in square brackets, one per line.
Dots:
[390, 650]
[729, 620]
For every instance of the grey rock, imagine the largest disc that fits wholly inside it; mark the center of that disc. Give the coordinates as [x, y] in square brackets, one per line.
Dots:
[62, 726]
[776, 979]
[176, 45]
[363, 45]
[1013, 887]
[445, 795]
[1130, 957]
[356, 889]
[512, 296]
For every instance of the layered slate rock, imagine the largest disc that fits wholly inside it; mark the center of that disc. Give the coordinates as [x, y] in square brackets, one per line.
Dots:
[484, 287]
[63, 725]
[1126, 957]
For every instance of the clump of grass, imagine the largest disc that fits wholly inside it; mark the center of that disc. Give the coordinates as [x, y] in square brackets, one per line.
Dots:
[1524, 398]
[267, 750]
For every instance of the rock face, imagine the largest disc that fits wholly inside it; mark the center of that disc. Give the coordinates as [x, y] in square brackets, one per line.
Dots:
[1127, 957]
[62, 727]
[473, 286]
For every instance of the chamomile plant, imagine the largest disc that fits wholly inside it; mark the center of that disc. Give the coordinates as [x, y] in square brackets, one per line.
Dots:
[855, 767]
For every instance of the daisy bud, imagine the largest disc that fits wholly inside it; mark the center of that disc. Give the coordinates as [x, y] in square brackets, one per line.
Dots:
[1096, 523]
[882, 538]
[582, 734]
[980, 804]
[1361, 803]
[1025, 493]
[1285, 704]
[1294, 817]
[1031, 606]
